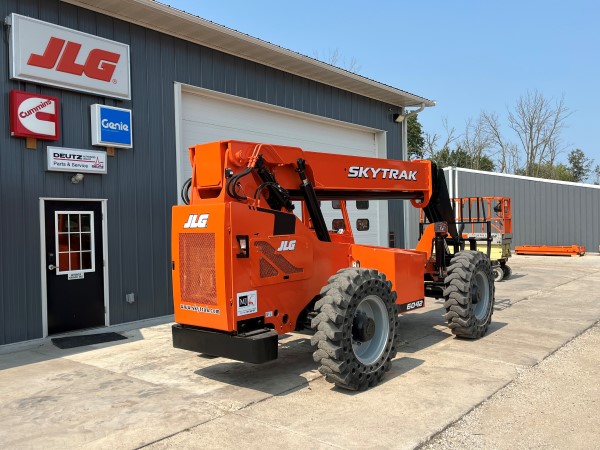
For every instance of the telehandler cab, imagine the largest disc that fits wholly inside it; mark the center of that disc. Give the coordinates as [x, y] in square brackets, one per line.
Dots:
[246, 268]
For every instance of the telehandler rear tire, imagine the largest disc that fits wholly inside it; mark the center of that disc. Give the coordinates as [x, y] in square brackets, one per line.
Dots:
[507, 271]
[356, 328]
[469, 294]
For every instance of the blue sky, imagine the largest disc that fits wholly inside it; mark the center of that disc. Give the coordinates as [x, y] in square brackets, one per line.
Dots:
[469, 56]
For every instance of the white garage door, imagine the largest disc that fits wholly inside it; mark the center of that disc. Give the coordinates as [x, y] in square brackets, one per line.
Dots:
[206, 116]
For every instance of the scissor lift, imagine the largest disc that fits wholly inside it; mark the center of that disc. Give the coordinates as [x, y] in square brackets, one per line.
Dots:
[486, 223]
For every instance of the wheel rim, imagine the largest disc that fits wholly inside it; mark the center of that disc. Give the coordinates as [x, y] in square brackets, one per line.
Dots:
[498, 273]
[480, 295]
[369, 351]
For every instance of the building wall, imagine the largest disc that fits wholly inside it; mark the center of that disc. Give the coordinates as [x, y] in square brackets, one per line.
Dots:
[140, 185]
[544, 212]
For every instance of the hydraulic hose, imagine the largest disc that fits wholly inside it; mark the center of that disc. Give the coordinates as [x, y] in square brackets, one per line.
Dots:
[232, 183]
[185, 191]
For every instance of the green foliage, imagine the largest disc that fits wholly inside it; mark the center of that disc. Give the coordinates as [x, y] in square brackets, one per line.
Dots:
[549, 171]
[461, 158]
[580, 165]
[562, 172]
[487, 164]
[578, 170]
[416, 142]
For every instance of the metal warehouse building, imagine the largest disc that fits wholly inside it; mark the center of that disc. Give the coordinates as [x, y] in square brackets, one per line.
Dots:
[100, 102]
[545, 212]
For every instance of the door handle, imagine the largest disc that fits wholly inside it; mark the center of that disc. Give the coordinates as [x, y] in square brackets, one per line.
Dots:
[51, 259]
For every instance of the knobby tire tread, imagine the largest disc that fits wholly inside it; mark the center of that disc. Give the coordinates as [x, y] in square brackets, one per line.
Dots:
[460, 309]
[333, 328]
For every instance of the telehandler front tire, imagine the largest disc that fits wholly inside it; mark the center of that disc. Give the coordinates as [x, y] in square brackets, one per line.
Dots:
[356, 328]
[469, 294]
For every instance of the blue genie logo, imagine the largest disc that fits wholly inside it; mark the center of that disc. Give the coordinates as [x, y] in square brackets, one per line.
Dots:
[120, 126]
[115, 127]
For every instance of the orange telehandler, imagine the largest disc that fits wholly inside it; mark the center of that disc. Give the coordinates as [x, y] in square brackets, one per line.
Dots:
[246, 268]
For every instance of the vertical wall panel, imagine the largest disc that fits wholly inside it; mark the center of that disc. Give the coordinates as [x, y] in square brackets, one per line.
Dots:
[544, 212]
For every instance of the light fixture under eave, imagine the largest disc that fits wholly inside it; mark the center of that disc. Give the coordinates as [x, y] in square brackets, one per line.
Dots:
[399, 118]
[77, 178]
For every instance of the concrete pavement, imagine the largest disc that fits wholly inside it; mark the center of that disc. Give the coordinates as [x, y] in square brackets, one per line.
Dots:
[139, 392]
[554, 405]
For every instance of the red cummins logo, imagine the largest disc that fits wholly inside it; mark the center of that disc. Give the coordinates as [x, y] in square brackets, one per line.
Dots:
[100, 64]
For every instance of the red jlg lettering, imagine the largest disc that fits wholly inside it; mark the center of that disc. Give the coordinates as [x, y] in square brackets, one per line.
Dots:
[100, 64]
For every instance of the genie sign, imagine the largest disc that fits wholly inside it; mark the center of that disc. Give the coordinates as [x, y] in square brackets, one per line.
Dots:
[111, 127]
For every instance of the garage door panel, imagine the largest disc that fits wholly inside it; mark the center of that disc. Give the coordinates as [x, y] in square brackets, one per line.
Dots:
[286, 128]
[207, 118]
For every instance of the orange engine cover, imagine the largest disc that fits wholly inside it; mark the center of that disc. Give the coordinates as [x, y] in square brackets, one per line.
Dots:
[218, 285]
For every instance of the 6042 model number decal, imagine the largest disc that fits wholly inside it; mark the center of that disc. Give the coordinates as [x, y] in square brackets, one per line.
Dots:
[412, 305]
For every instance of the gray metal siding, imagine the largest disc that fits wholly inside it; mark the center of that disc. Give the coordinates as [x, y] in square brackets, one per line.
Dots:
[140, 184]
[543, 212]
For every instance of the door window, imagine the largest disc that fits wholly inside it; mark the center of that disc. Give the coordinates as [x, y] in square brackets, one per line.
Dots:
[74, 241]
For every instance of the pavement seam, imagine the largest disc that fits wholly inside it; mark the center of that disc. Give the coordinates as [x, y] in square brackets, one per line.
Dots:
[179, 432]
[432, 436]
[237, 412]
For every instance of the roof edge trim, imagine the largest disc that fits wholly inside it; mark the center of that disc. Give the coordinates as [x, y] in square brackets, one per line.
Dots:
[332, 75]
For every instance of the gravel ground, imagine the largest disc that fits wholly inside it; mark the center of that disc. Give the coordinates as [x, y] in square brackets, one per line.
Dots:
[553, 405]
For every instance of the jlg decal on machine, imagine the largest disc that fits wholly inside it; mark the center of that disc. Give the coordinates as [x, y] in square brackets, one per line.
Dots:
[46, 53]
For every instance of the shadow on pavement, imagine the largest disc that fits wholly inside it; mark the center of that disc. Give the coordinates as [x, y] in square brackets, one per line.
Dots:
[400, 366]
[513, 276]
[295, 367]
[290, 372]
[47, 350]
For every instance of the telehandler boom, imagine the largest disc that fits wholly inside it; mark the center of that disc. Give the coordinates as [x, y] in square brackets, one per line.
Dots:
[246, 268]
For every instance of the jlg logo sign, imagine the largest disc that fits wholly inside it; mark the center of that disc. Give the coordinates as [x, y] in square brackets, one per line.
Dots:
[287, 246]
[61, 55]
[48, 54]
[197, 221]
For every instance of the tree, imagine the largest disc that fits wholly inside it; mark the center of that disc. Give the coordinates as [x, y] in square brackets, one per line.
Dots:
[436, 152]
[507, 153]
[468, 150]
[416, 141]
[538, 123]
[580, 165]
[597, 174]
[475, 143]
[549, 171]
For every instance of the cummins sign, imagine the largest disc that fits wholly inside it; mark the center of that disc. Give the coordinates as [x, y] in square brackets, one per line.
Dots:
[34, 116]
[45, 53]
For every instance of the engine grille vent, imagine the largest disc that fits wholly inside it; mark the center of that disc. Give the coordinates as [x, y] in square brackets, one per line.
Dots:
[266, 269]
[283, 264]
[197, 272]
